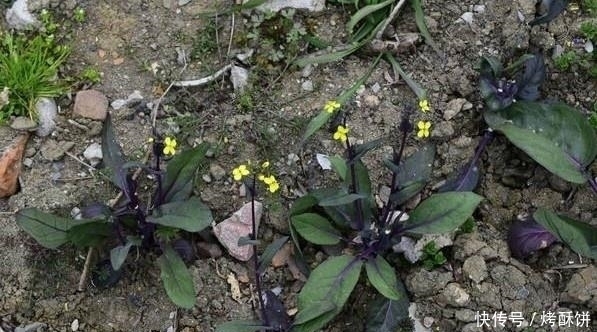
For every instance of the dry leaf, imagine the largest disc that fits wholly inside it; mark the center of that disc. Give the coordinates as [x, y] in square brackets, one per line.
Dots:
[234, 287]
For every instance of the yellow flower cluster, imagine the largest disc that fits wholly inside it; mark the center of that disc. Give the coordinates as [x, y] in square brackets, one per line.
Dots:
[270, 181]
[341, 134]
[424, 105]
[331, 106]
[423, 129]
[169, 146]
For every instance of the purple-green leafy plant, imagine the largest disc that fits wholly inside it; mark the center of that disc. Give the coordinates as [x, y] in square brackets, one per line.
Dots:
[348, 216]
[157, 225]
[555, 135]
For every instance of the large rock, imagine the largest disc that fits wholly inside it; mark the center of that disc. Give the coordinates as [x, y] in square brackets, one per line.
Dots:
[19, 16]
[10, 165]
[238, 225]
[91, 104]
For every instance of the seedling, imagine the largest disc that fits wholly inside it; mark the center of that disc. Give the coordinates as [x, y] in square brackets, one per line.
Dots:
[156, 225]
[432, 256]
[91, 75]
[348, 216]
[79, 15]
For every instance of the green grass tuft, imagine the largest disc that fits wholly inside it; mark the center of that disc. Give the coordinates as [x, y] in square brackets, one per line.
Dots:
[29, 69]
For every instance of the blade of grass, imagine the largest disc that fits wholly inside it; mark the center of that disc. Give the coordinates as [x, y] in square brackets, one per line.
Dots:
[364, 12]
[420, 20]
[414, 86]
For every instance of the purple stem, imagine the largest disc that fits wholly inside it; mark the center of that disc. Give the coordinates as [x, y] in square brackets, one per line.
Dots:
[255, 258]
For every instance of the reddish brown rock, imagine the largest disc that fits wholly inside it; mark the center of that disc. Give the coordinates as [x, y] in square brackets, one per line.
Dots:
[91, 104]
[10, 165]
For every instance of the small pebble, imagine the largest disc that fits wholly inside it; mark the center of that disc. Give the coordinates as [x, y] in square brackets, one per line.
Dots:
[307, 86]
[206, 178]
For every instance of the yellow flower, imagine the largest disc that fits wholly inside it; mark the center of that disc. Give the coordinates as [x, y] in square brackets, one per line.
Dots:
[331, 106]
[240, 172]
[340, 134]
[265, 164]
[270, 181]
[150, 140]
[169, 146]
[424, 105]
[424, 127]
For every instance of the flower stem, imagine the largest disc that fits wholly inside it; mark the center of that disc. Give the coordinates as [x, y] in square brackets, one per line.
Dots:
[255, 256]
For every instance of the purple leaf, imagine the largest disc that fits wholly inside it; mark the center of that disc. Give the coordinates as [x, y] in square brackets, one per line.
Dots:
[528, 236]
[184, 250]
[95, 210]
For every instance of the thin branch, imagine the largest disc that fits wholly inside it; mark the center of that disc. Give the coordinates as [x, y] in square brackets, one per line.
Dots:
[204, 80]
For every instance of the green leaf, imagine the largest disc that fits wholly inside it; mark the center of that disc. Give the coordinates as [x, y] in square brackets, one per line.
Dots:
[177, 279]
[420, 21]
[341, 198]
[363, 182]
[326, 57]
[191, 215]
[313, 311]
[442, 213]
[303, 204]
[89, 233]
[339, 166]
[316, 123]
[269, 252]
[412, 174]
[119, 253]
[385, 315]
[555, 135]
[180, 173]
[332, 281]
[383, 277]
[365, 12]
[490, 66]
[361, 149]
[241, 326]
[579, 236]
[315, 229]
[112, 155]
[47, 229]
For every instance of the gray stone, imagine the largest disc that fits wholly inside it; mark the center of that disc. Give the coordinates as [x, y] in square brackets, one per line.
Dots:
[467, 245]
[52, 150]
[91, 104]
[23, 123]
[239, 77]
[424, 283]
[582, 288]
[454, 107]
[488, 294]
[217, 172]
[307, 70]
[47, 111]
[559, 184]
[454, 295]
[93, 153]
[28, 162]
[442, 129]
[475, 268]
[465, 315]
[307, 86]
[19, 17]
